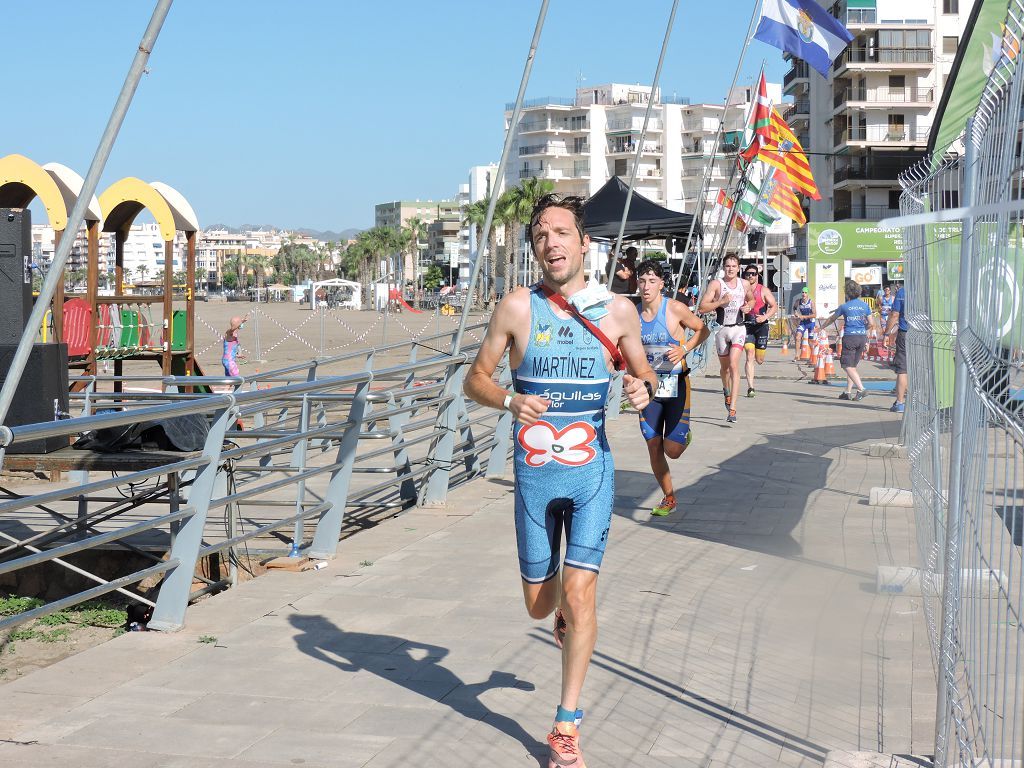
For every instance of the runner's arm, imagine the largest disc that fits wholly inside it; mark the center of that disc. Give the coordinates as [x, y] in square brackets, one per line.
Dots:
[769, 299]
[480, 385]
[686, 320]
[748, 296]
[632, 349]
[709, 304]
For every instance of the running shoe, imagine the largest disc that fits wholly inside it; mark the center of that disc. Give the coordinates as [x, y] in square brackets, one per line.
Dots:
[666, 507]
[725, 394]
[845, 396]
[564, 741]
[897, 407]
[731, 418]
[750, 392]
[559, 629]
[860, 394]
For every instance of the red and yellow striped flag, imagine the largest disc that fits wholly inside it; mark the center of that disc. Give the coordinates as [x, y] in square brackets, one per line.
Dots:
[777, 195]
[783, 151]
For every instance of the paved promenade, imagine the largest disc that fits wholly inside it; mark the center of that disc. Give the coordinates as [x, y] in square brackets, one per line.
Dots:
[744, 630]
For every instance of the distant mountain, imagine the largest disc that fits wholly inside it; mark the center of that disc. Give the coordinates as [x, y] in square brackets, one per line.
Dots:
[324, 235]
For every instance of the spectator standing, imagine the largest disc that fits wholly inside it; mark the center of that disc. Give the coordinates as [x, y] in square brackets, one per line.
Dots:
[624, 276]
[897, 323]
[857, 321]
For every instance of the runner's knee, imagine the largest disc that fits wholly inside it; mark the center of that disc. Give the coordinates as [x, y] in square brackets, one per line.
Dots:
[673, 449]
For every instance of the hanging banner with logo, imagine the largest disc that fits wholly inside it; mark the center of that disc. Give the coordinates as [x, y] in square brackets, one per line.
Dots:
[825, 293]
[798, 271]
[866, 275]
[894, 270]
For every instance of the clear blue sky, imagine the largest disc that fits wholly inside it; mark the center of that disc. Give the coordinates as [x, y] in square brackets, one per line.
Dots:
[307, 113]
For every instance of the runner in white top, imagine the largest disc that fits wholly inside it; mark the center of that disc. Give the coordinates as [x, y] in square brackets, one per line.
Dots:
[729, 298]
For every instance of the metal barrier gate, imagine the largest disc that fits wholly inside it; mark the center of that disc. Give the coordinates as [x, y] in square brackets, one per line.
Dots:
[964, 424]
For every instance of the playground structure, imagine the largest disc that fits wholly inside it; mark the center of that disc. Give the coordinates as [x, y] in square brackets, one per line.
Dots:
[119, 326]
[351, 292]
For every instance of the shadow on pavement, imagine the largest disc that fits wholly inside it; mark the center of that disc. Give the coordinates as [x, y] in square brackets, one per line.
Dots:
[414, 666]
[758, 497]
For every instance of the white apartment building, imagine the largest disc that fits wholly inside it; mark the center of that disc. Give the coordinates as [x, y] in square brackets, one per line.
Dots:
[580, 143]
[483, 179]
[44, 247]
[871, 118]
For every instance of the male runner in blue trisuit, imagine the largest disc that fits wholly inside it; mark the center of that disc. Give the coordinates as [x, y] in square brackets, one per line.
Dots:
[564, 477]
[665, 422]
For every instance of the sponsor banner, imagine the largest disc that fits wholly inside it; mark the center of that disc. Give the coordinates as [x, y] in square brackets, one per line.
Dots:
[853, 241]
[566, 397]
[866, 275]
[798, 271]
[828, 277]
[894, 270]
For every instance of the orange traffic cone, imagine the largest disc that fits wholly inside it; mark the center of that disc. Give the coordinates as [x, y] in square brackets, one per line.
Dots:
[785, 345]
[819, 371]
[830, 368]
[813, 359]
[805, 349]
[872, 350]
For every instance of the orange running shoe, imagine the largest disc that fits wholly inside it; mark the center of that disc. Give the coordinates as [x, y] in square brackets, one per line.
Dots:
[564, 741]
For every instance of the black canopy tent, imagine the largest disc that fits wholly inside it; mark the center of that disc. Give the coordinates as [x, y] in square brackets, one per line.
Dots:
[603, 213]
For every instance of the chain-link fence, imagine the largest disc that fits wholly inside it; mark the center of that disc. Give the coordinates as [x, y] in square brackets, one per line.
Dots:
[964, 425]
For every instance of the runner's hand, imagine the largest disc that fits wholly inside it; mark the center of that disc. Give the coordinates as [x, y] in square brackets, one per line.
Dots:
[528, 408]
[635, 392]
[675, 355]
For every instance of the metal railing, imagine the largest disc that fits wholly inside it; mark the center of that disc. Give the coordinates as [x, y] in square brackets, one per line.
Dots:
[800, 71]
[320, 449]
[964, 424]
[867, 212]
[855, 56]
[882, 134]
[883, 94]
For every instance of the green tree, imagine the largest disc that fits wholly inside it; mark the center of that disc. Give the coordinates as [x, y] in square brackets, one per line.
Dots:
[230, 280]
[433, 278]
[260, 264]
[476, 214]
[530, 193]
[411, 238]
[201, 275]
[142, 269]
[371, 247]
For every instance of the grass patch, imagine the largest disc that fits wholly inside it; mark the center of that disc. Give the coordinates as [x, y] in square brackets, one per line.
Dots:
[59, 626]
[207, 639]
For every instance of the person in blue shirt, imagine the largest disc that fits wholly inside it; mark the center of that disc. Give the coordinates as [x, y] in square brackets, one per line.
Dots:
[857, 321]
[898, 322]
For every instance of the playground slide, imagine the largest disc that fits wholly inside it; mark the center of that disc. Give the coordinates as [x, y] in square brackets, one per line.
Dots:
[405, 305]
[178, 369]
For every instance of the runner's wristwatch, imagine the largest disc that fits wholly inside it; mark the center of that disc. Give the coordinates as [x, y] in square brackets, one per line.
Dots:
[508, 401]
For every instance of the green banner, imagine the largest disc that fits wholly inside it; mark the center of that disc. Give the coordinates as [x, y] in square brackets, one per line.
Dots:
[966, 81]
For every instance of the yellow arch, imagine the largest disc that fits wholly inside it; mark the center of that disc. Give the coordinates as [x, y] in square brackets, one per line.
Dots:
[22, 180]
[123, 200]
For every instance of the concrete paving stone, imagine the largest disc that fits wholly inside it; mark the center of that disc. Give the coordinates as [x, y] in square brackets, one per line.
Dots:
[415, 722]
[170, 736]
[270, 712]
[63, 756]
[293, 746]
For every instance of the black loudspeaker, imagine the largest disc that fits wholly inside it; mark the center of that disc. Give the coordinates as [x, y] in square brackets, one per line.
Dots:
[42, 393]
[754, 240]
[15, 273]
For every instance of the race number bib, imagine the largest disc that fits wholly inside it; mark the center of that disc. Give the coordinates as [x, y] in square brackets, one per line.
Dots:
[668, 385]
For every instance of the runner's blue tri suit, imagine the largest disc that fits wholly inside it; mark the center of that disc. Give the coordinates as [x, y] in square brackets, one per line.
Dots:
[806, 323]
[563, 465]
[668, 413]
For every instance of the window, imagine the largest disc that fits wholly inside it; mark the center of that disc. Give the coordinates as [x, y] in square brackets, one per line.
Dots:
[894, 199]
[951, 6]
[949, 45]
[620, 167]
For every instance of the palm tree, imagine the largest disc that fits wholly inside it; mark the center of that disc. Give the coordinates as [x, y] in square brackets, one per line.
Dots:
[476, 214]
[260, 264]
[412, 233]
[371, 246]
[532, 190]
[142, 269]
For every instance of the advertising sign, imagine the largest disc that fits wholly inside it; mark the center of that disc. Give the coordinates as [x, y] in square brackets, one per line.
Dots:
[854, 241]
[866, 275]
[827, 278]
[798, 271]
[894, 270]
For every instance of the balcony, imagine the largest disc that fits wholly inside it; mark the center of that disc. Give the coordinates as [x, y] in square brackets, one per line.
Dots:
[544, 126]
[865, 212]
[881, 134]
[629, 148]
[634, 124]
[543, 101]
[884, 96]
[884, 58]
[555, 150]
[800, 71]
[884, 172]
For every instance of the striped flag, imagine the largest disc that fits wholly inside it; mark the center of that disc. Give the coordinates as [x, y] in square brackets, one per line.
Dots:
[804, 29]
[783, 151]
[753, 207]
[722, 205]
[758, 122]
[777, 195]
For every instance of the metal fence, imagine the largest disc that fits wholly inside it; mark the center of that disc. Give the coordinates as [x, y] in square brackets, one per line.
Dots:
[317, 451]
[964, 424]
